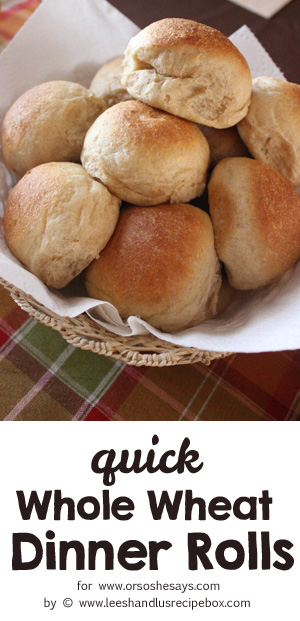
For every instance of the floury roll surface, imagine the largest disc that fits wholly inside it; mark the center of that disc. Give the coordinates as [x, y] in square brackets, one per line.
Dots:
[146, 156]
[190, 70]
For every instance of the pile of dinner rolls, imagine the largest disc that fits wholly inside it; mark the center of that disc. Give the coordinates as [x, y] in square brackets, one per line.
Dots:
[178, 109]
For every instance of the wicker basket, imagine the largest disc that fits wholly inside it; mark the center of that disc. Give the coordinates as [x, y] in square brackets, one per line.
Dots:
[83, 332]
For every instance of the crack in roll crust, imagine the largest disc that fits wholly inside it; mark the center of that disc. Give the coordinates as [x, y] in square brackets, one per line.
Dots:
[271, 129]
[189, 70]
[146, 156]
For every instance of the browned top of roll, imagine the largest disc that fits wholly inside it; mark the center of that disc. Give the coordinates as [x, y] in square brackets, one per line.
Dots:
[134, 121]
[159, 264]
[176, 32]
[57, 219]
[146, 156]
[48, 123]
[190, 70]
[256, 217]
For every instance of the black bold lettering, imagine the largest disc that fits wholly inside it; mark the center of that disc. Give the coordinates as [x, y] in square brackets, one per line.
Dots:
[17, 561]
[265, 501]
[50, 551]
[252, 543]
[94, 546]
[82, 510]
[171, 507]
[217, 504]
[240, 554]
[250, 514]
[199, 551]
[58, 504]
[190, 502]
[120, 505]
[107, 469]
[125, 552]
[279, 547]
[41, 507]
[154, 549]
[65, 547]
[265, 551]
[187, 458]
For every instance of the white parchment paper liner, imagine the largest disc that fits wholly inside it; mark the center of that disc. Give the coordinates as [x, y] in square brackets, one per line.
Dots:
[265, 8]
[70, 40]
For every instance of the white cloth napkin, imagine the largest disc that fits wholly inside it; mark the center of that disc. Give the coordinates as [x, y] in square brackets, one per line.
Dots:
[265, 8]
[70, 40]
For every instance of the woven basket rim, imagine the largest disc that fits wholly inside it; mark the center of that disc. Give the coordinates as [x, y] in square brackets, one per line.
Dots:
[83, 332]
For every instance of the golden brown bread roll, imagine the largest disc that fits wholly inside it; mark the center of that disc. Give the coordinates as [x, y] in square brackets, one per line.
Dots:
[190, 70]
[271, 129]
[146, 156]
[57, 219]
[48, 124]
[224, 143]
[107, 83]
[255, 213]
[160, 264]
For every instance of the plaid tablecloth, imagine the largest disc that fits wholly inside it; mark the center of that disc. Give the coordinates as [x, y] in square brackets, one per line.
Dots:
[44, 378]
[13, 17]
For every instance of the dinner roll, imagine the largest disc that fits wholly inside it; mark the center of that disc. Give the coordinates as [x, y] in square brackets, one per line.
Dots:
[160, 264]
[48, 124]
[146, 156]
[224, 143]
[190, 70]
[107, 83]
[57, 219]
[271, 129]
[256, 218]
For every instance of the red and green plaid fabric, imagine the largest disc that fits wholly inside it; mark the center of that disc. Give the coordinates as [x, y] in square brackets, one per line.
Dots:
[44, 378]
[13, 17]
